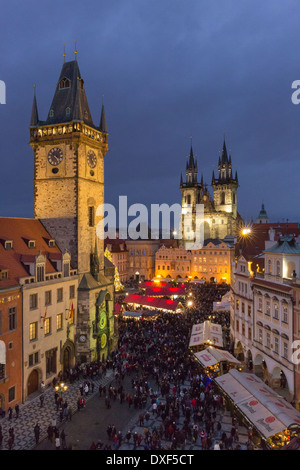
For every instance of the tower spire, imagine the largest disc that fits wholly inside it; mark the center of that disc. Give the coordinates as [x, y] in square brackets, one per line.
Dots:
[34, 113]
[103, 125]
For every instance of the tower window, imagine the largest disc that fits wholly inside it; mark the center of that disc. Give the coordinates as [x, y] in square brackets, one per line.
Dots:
[222, 198]
[91, 216]
[51, 113]
[68, 111]
[64, 83]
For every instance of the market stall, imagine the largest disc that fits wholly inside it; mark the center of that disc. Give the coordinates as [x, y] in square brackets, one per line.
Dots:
[206, 333]
[270, 414]
[159, 304]
[223, 305]
[216, 361]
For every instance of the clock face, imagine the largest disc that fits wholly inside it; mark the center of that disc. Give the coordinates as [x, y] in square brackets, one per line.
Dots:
[102, 320]
[91, 159]
[55, 156]
[82, 338]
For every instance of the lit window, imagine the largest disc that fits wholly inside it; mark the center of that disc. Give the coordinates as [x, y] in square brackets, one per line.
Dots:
[33, 331]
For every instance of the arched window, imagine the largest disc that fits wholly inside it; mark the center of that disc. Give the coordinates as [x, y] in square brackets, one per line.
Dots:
[269, 266]
[188, 199]
[222, 198]
[278, 268]
[64, 83]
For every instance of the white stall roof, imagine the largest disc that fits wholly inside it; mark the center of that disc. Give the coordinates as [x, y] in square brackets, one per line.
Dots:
[206, 331]
[211, 356]
[264, 408]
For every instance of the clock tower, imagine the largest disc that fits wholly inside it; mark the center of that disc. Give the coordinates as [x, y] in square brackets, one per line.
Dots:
[69, 153]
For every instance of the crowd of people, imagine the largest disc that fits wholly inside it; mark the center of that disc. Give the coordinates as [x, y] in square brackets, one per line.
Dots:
[165, 382]
[155, 355]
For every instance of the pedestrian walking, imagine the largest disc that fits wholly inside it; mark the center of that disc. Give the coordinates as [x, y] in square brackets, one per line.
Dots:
[57, 443]
[36, 430]
[42, 401]
[63, 439]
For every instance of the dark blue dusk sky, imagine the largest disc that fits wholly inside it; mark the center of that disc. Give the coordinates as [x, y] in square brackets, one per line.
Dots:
[168, 70]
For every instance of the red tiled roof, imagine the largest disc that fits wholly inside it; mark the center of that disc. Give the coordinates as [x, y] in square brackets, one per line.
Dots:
[20, 231]
[254, 244]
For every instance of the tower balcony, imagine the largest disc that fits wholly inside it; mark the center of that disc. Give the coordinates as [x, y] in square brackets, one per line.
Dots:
[72, 129]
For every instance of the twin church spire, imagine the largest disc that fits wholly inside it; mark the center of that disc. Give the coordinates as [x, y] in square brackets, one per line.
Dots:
[224, 170]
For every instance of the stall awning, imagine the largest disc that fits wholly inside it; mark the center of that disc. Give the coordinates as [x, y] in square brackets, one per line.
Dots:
[263, 407]
[154, 302]
[2, 353]
[211, 356]
[204, 332]
[132, 314]
[166, 291]
[221, 306]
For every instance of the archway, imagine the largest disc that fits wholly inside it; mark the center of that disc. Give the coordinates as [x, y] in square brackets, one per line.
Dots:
[290, 268]
[249, 360]
[33, 382]
[239, 352]
[279, 382]
[260, 368]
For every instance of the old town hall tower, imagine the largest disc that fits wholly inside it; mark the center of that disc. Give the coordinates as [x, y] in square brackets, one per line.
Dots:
[69, 151]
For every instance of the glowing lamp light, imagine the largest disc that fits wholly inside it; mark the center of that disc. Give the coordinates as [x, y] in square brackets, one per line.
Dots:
[190, 303]
[246, 231]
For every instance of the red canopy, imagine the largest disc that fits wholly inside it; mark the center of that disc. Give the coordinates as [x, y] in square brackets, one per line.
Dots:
[167, 291]
[154, 302]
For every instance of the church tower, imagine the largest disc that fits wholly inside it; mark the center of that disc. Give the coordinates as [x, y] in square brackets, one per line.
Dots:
[191, 192]
[225, 186]
[69, 151]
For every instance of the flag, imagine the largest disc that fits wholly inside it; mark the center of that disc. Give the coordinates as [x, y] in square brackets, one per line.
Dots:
[71, 313]
[44, 318]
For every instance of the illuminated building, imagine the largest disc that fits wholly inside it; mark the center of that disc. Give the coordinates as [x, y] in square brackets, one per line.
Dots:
[221, 217]
[210, 263]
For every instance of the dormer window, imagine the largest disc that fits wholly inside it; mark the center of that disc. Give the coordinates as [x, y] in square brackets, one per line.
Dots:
[68, 111]
[40, 273]
[31, 244]
[66, 265]
[40, 268]
[3, 274]
[51, 113]
[51, 243]
[64, 83]
[8, 244]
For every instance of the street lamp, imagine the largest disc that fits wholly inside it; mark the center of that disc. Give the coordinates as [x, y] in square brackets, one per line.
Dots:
[61, 388]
